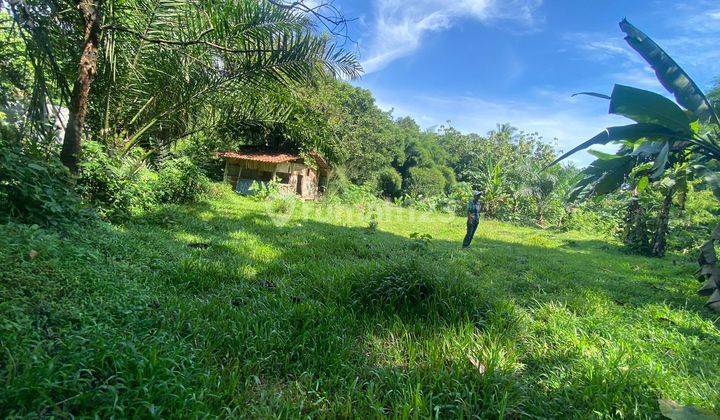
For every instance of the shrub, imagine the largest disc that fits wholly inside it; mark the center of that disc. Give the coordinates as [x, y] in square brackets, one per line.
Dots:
[284, 203]
[427, 182]
[603, 215]
[36, 191]
[264, 190]
[460, 193]
[690, 225]
[389, 182]
[338, 183]
[373, 223]
[115, 186]
[179, 180]
[201, 150]
[455, 202]
[341, 190]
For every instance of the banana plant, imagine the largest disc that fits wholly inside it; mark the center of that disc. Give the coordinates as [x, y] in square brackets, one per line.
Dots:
[492, 183]
[667, 128]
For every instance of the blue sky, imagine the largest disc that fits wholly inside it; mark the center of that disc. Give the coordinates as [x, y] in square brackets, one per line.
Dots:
[477, 63]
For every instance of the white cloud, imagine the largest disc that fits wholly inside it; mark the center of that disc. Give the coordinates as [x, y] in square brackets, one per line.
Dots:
[695, 29]
[600, 47]
[557, 116]
[694, 49]
[400, 25]
[639, 77]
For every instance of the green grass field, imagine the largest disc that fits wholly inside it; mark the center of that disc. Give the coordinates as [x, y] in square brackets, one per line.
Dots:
[313, 313]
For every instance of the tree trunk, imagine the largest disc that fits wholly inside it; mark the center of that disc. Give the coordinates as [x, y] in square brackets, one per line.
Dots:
[540, 215]
[87, 69]
[709, 273]
[635, 226]
[659, 238]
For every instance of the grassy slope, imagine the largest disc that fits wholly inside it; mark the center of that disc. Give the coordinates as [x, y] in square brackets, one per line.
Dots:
[320, 315]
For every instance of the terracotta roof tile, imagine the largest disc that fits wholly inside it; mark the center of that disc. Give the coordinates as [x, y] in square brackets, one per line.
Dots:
[267, 157]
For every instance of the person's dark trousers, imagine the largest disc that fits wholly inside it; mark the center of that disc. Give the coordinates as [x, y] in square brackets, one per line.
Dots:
[471, 227]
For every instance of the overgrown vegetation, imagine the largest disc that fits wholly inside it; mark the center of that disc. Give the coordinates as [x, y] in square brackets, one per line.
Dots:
[135, 287]
[34, 190]
[320, 317]
[667, 147]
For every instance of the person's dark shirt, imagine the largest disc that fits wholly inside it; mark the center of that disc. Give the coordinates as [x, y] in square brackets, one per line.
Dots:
[473, 208]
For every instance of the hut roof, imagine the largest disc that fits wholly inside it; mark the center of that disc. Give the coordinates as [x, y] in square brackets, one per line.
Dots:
[267, 156]
[261, 156]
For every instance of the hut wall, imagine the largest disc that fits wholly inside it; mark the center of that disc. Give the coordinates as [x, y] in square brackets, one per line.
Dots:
[294, 178]
[310, 183]
[287, 174]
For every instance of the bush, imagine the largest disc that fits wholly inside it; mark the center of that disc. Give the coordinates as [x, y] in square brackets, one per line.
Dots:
[36, 191]
[180, 181]
[264, 190]
[115, 186]
[201, 150]
[455, 202]
[425, 182]
[692, 225]
[341, 190]
[389, 182]
[460, 194]
[602, 215]
[283, 203]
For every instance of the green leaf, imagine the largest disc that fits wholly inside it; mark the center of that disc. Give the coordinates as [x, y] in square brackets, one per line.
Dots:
[648, 107]
[603, 176]
[643, 183]
[641, 169]
[670, 74]
[595, 94]
[602, 155]
[661, 161]
[625, 132]
[667, 183]
[647, 148]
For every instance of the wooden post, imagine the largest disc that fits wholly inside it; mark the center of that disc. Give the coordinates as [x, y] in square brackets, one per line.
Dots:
[225, 176]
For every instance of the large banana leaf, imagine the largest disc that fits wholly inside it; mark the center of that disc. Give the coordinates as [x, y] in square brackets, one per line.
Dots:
[644, 106]
[647, 149]
[604, 175]
[708, 146]
[661, 160]
[625, 132]
[595, 94]
[648, 107]
[670, 74]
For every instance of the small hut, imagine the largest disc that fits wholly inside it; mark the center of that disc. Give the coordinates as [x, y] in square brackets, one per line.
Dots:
[294, 174]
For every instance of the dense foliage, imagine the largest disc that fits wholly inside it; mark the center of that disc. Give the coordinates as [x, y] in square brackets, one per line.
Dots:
[116, 109]
[35, 191]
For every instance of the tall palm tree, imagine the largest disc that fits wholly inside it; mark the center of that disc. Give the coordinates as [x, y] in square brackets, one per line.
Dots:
[158, 61]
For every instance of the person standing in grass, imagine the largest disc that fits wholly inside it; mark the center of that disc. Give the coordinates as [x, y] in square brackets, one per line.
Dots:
[473, 218]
